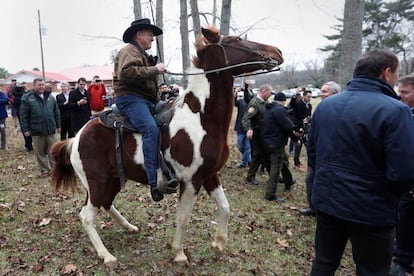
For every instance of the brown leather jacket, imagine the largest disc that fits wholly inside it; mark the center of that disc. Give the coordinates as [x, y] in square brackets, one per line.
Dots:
[134, 75]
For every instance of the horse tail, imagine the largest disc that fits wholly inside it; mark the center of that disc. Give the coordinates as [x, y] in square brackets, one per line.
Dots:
[63, 174]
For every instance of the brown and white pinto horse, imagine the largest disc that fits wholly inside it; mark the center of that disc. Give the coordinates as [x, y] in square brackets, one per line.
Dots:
[195, 143]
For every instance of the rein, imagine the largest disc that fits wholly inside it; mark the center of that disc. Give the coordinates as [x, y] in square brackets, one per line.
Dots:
[265, 62]
[228, 67]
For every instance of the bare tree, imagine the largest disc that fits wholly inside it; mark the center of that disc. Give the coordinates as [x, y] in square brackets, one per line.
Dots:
[185, 49]
[195, 15]
[214, 12]
[225, 17]
[351, 39]
[159, 21]
[315, 73]
[137, 9]
[288, 75]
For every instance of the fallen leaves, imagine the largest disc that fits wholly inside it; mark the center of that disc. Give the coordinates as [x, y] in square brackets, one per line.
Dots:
[44, 221]
[68, 269]
[282, 244]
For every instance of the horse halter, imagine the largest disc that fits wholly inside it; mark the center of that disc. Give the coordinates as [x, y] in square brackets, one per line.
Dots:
[265, 60]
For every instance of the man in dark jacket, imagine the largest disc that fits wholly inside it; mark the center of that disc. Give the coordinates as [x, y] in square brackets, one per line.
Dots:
[79, 102]
[40, 118]
[404, 247]
[276, 128]
[241, 100]
[360, 147]
[302, 110]
[62, 100]
[252, 121]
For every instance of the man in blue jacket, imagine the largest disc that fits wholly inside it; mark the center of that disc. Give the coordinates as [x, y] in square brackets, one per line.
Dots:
[404, 240]
[360, 147]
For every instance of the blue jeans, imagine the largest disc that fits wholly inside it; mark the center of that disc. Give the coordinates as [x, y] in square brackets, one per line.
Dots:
[138, 111]
[243, 144]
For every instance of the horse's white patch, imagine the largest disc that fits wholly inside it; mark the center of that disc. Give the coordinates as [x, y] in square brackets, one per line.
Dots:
[76, 161]
[190, 122]
[138, 154]
[198, 85]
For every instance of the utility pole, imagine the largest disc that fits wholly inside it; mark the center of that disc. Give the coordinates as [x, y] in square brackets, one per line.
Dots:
[41, 46]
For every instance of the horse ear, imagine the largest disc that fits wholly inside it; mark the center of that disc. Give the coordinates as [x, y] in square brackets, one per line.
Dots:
[212, 35]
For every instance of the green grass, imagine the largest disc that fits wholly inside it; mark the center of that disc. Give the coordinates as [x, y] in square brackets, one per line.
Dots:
[265, 238]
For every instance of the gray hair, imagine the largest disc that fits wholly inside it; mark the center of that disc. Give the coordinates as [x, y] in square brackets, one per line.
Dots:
[333, 86]
[264, 87]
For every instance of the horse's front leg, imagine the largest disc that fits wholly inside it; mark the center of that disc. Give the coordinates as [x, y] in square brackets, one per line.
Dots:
[87, 216]
[184, 209]
[224, 212]
[120, 220]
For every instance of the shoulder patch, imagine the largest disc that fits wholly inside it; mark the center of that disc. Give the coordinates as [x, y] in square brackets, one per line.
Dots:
[251, 109]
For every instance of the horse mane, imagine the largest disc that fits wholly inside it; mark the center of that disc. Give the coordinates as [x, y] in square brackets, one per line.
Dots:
[200, 44]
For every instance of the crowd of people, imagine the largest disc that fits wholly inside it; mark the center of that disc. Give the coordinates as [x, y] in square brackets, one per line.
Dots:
[359, 143]
[359, 179]
[39, 115]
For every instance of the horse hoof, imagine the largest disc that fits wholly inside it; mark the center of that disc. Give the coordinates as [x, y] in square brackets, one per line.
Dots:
[217, 248]
[181, 261]
[111, 262]
[133, 228]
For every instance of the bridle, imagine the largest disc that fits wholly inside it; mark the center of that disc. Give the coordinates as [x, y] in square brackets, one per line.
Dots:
[266, 61]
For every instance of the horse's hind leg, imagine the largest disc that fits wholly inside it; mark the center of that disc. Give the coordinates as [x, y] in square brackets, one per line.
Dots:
[88, 215]
[184, 209]
[120, 220]
[224, 212]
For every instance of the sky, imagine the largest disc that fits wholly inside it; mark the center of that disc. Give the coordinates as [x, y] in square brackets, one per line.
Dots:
[295, 26]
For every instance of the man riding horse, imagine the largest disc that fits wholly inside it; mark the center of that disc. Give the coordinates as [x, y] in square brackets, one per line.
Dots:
[135, 85]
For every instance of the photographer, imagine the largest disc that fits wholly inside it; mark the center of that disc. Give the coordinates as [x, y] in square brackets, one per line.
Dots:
[97, 93]
[302, 109]
[167, 92]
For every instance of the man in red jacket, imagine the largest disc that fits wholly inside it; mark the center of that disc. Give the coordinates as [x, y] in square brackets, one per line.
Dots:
[96, 92]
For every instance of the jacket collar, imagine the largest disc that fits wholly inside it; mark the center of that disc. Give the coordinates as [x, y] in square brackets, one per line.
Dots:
[369, 83]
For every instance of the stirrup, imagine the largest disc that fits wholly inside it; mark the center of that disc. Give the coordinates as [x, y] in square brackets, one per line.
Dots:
[169, 187]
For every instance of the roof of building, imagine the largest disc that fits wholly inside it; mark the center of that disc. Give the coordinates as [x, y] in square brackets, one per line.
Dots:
[69, 75]
[29, 75]
[103, 71]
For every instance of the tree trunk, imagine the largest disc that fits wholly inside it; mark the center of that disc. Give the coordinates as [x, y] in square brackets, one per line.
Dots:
[214, 12]
[185, 49]
[137, 9]
[225, 17]
[195, 14]
[351, 39]
[159, 17]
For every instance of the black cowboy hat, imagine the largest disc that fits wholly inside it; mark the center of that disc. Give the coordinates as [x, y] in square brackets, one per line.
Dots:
[140, 24]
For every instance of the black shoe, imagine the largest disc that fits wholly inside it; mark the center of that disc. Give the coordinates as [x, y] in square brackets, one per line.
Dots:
[251, 181]
[156, 194]
[278, 199]
[288, 188]
[398, 270]
[169, 187]
[307, 212]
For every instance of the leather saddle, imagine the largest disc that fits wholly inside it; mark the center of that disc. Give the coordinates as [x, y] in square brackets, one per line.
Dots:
[115, 120]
